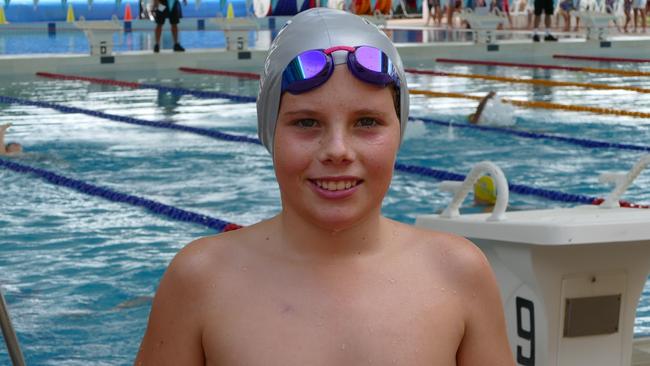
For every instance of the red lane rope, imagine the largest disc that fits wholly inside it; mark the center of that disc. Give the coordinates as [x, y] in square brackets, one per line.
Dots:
[607, 59]
[509, 64]
[622, 203]
[127, 84]
[238, 74]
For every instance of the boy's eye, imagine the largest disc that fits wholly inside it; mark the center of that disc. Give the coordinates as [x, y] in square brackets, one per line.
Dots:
[367, 122]
[306, 123]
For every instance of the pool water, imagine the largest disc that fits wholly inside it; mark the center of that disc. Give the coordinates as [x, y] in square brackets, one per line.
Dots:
[35, 41]
[78, 271]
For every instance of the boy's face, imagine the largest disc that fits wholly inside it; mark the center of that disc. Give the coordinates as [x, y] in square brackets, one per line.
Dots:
[334, 150]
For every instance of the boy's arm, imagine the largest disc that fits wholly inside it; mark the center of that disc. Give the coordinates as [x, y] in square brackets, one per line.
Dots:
[485, 341]
[173, 335]
[3, 129]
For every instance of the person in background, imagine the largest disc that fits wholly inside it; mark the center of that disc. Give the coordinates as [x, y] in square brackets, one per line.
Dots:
[546, 7]
[627, 9]
[167, 9]
[493, 111]
[11, 148]
[639, 10]
[435, 13]
[452, 7]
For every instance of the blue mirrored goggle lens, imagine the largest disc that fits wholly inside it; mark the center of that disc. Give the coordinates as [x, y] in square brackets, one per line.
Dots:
[305, 66]
[373, 59]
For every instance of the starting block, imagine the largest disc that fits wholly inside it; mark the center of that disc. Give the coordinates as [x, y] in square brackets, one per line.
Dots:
[597, 24]
[99, 34]
[482, 22]
[236, 31]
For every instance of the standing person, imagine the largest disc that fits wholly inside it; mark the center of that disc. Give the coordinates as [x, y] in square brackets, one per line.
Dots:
[11, 148]
[329, 280]
[545, 6]
[435, 14]
[168, 9]
[504, 7]
[639, 10]
[627, 9]
[452, 7]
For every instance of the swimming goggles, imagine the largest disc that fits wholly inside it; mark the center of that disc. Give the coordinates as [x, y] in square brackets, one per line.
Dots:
[312, 68]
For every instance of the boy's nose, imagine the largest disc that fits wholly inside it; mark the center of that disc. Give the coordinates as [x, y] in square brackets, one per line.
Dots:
[335, 147]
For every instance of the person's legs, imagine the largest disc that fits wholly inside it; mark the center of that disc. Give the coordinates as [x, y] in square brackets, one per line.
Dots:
[567, 20]
[158, 32]
[548, 9]
[174, 28]
[643, 19]
[626, 9]
[636, 15]
[174, 17]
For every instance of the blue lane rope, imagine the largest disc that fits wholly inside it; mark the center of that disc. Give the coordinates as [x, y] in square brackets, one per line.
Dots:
[199, 93]
[135, 121]
[515, 188]
[536, 135]
[115, 196]
[412, 169]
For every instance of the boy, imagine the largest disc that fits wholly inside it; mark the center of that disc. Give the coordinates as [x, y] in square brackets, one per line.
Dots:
[329, 280]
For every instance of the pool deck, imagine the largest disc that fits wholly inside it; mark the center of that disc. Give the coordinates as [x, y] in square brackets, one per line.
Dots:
[519, 48]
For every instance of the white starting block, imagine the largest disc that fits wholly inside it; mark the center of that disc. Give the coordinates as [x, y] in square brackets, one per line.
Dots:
[597, 23]
[483, 23]
[570, 278]
[100, 34]
[236, 31]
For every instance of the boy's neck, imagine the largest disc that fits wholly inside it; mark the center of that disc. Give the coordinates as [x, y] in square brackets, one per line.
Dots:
[304, 239]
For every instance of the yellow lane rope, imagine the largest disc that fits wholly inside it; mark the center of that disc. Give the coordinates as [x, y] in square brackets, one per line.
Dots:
[615, 72]
[537, 81]
[533, 104]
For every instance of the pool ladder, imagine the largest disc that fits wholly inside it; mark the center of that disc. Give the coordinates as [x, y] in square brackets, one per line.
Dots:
[9, 334]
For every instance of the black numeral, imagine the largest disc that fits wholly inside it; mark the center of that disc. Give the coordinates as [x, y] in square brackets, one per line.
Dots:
[526, 334]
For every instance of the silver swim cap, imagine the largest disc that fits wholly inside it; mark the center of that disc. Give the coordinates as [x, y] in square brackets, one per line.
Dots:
[318, 28]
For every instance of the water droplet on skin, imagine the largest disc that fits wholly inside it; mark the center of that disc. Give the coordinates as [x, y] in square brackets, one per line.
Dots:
[392, 280]
[442, 289]
[343, 346]
[244, 269]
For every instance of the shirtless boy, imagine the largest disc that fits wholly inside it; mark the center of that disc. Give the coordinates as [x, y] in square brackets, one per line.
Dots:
[329, 280]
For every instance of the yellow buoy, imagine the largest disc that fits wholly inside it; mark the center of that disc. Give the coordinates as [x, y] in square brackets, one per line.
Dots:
[484, 191]
[231, 12]
[70, 17]
[3, 19]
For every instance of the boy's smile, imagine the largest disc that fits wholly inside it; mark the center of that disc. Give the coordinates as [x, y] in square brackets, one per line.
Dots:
[336, 187]
[335, 148]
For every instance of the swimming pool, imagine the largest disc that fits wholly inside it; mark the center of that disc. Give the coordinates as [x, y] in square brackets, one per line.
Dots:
[78, 271]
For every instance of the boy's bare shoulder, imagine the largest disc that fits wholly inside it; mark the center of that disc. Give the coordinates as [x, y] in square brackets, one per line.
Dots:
[209, 257]
[452, 254]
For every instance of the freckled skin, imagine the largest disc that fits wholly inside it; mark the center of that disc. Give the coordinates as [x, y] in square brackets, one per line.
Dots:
[329, 281]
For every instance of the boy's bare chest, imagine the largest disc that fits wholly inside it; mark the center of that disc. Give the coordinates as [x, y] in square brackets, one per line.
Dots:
[375, 323]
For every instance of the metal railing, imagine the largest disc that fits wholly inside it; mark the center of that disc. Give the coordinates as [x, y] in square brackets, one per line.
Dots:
[9, 334]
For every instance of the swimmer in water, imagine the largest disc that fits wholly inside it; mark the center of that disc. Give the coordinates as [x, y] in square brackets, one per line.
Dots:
[492, 110]
[329, 280]
[12, 148]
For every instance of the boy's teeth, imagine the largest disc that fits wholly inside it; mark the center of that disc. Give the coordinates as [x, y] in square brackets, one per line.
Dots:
[336, 186]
